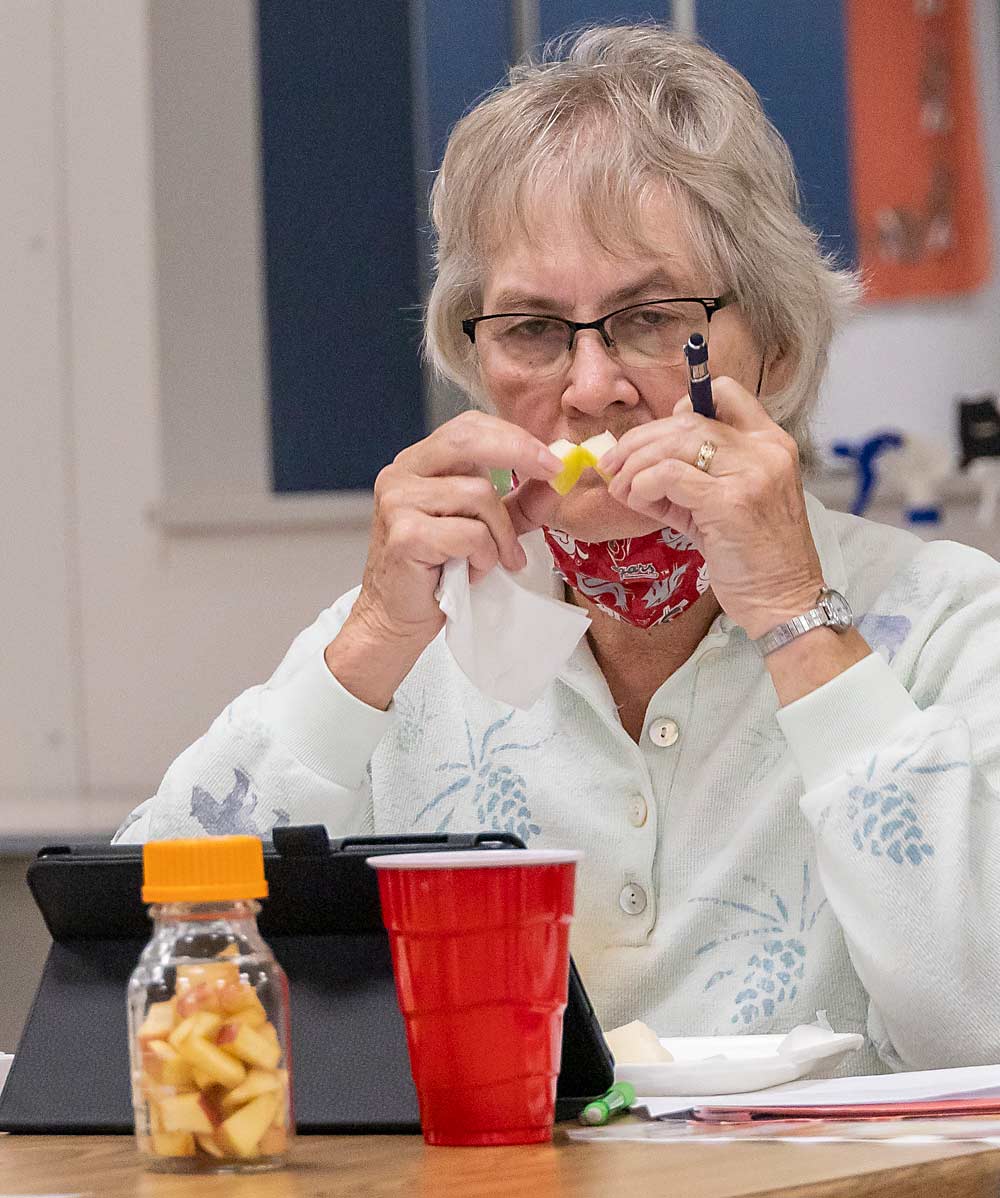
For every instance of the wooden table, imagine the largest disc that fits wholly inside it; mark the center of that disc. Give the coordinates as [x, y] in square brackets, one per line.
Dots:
[377, 1166]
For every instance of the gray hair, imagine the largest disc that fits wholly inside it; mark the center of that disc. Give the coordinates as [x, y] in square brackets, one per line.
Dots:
[612, 116]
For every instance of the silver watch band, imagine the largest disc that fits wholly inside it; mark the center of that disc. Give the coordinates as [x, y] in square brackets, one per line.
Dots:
[791, 629]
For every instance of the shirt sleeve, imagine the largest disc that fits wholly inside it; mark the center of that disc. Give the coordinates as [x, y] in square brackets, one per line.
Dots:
[902, 790]
[294, 750]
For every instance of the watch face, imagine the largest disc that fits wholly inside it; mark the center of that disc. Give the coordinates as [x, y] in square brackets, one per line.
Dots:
[838, 609]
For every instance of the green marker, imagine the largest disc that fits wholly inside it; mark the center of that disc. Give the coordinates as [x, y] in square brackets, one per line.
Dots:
[616, 1102]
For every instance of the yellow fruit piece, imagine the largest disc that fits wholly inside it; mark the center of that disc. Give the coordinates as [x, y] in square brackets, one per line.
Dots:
[212, 1062]
[202, 1080]
[185, 1112]
[201, 1023]
[159, 1021]
[241, 1041]
[172, 1143]
[259, 1081]
[231, 950]
[216, 973]
[577, 458]
[243, 999]
[211, 1145]
[165, 1065]
[597, 447]
[243, 1130]
[273, 1142]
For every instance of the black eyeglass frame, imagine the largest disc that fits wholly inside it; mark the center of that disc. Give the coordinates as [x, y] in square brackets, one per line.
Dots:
[711, 304]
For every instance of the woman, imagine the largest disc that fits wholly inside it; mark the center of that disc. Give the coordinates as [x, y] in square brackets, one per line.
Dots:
[768, 831]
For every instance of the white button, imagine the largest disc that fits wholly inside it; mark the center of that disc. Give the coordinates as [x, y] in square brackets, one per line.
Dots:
[632, 899]
[637, 811]
[664, 733]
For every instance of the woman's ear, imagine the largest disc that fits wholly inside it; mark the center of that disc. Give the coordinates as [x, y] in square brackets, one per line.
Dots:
[776, 369]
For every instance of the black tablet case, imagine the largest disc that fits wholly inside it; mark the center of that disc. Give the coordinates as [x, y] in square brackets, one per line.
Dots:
[323, 920]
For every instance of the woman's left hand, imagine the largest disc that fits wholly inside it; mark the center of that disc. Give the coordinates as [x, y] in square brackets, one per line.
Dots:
[746, 513]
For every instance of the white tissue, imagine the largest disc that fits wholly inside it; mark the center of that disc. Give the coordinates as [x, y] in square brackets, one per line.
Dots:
[508, 641]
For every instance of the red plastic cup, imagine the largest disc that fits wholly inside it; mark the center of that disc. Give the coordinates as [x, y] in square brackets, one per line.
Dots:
[480, 948]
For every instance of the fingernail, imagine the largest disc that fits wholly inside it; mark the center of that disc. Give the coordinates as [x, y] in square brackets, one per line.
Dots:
[549, 462]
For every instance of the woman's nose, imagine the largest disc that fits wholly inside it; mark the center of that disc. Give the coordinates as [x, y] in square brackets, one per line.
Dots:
[595, 379]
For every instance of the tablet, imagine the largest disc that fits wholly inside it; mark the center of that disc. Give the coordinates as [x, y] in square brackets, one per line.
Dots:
[322, 919]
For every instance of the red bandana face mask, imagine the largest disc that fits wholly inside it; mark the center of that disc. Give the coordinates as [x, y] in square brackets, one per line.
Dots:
[643, 581]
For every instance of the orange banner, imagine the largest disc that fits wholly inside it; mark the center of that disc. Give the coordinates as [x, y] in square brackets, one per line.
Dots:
[920, 202]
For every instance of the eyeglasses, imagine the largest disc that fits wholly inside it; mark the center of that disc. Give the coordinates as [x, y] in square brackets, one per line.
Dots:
[644, 335]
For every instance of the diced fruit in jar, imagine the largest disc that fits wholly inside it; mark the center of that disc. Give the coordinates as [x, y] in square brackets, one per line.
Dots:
[210, 1145]
[244, 1130]
[242, 999]
[187, 1112]
[159, 1021]
[215, 973]
[165, 1065]
[273, 1141]
[212, 1061]
[258, 1081]
[241, 1041]
[172, 1143]
[201, 1023]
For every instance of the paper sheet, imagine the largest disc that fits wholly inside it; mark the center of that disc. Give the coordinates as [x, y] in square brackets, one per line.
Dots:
[508, 641]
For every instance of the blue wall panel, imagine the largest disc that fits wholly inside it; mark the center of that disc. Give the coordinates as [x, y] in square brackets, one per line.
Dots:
[556, 16]
[340, 231]
[793, 52]
[468, 50]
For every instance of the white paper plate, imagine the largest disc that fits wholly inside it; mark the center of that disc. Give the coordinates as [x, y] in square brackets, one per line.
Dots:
[6, 1060]
[731, 1064]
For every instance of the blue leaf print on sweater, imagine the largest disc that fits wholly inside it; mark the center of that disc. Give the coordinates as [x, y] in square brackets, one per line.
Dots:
[497, 794]
[772, 974]
[234, 815]
[885, 634]
[885, 820]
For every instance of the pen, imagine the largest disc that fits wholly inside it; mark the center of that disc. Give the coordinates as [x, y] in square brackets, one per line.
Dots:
[699, 380]
[616, 1102]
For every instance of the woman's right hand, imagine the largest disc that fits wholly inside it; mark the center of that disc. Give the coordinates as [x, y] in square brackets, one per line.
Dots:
[435, 502]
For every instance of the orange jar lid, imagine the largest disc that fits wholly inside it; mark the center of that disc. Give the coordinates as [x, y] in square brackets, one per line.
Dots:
[208, 870]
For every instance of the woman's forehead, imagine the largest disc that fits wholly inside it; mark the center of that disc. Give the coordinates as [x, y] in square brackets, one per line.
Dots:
[556, 258]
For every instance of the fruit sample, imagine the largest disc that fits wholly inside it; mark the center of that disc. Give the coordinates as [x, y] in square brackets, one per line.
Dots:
[258, 1081]
[250, 1046]
[636, 1044]
[201, 1023]
[212, 1061]
[186, 1112]
[577, 458]
[172, 1143]
[158, 1022]
[244, 1130]
[165, 1065]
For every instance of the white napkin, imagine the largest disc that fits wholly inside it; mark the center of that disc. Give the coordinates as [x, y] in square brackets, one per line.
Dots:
[508, 641]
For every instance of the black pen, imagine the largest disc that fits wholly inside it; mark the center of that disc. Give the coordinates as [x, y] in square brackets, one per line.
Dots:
[699, 380]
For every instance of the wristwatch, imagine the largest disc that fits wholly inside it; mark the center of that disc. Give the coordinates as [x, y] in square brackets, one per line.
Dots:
[831, 611]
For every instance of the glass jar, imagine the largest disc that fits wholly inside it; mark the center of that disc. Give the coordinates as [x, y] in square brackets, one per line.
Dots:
[208, 1015]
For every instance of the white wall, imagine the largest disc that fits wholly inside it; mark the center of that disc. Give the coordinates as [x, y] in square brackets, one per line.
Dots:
[905, 364]
[119, 640]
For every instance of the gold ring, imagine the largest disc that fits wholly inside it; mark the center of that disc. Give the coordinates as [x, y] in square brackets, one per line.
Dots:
[705, 456]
